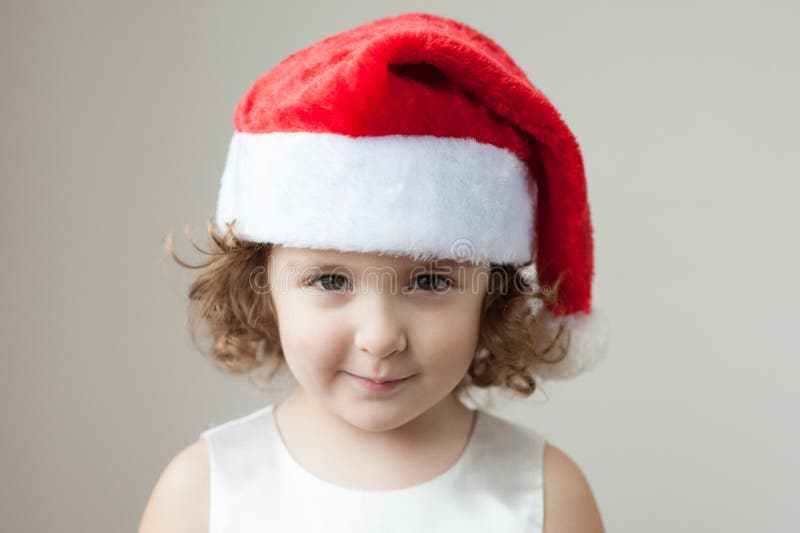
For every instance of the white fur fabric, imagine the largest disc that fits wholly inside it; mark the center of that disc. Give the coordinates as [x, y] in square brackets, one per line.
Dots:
[589, 339]
[422, 196]
[588, 344]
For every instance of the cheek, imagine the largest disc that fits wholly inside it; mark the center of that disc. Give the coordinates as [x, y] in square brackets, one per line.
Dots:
[312, 343]
[449, 340]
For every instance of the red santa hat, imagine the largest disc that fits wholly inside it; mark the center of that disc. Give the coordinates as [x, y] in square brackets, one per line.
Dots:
[417, 135]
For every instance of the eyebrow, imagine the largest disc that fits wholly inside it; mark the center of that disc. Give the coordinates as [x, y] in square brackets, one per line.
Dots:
[338, 266]
[314, 264]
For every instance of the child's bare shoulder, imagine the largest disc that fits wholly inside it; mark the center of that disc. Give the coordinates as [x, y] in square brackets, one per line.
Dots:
[179, 502]
[569, 504]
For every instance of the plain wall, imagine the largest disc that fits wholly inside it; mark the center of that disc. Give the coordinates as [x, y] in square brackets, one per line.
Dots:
[116, 119]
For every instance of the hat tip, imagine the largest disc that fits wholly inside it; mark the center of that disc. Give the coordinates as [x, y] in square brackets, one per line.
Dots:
[589, 336]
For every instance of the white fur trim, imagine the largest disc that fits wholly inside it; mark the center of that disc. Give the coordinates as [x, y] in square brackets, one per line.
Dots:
[588, 343]
[422, 196]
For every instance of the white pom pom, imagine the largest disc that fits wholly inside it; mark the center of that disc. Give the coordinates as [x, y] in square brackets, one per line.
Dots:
[589, 336]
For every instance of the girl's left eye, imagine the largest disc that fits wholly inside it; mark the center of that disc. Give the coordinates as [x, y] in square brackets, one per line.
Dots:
[443, 283]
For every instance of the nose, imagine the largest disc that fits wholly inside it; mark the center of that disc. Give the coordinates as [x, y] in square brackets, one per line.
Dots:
[380, 330]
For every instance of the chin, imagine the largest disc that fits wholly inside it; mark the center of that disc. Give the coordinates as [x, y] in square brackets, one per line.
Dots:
[378, 417]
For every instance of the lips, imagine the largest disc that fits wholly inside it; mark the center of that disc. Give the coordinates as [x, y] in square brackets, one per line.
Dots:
[372, 386]
[377, 380]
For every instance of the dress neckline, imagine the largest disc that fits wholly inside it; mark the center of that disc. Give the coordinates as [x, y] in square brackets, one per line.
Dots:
[449, 474]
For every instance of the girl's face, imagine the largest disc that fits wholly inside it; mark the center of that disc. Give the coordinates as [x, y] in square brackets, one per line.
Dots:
[347, 314]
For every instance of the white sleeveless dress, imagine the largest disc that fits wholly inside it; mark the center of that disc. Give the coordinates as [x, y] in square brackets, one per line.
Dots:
[258, 486]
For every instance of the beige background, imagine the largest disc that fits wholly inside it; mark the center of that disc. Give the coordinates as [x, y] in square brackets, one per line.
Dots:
[115, 123]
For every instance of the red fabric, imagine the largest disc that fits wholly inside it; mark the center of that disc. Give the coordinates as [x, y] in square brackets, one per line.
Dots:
[422, 74]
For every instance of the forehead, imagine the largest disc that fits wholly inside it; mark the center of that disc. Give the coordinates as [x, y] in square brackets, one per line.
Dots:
[309, 257]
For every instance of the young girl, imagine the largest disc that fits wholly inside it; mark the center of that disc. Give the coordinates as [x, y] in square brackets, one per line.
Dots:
[402, 224]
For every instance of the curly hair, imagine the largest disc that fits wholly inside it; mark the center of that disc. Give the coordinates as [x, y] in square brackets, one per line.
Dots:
[242, 322]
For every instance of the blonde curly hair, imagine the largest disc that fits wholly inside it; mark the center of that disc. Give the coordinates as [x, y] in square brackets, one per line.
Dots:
[241, 321]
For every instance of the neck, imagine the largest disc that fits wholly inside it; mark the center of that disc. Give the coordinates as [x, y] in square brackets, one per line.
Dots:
[445, 421]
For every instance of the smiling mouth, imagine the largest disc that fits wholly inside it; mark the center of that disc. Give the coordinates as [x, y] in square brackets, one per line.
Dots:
[378, 381]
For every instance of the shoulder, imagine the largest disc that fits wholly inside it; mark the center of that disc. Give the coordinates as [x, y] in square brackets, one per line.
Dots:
[569, 504]
[179, 502]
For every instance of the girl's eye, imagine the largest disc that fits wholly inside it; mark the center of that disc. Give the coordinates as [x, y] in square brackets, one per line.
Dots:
[329, 282]
[434, 282]
[337, 283]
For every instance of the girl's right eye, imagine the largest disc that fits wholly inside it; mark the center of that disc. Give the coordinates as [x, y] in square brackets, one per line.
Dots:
[329, 282]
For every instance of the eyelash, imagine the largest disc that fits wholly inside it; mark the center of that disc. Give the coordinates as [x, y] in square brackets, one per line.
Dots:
[314, 280]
